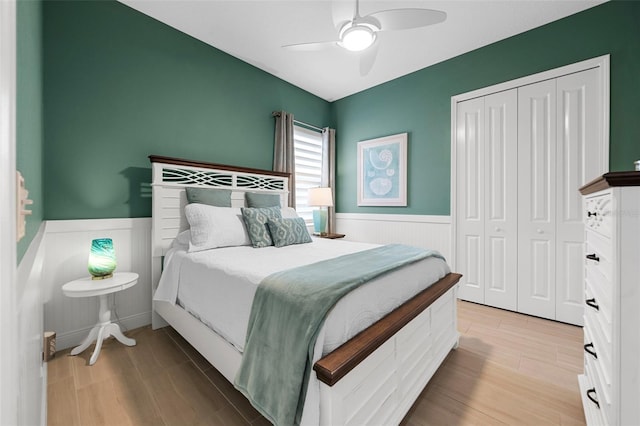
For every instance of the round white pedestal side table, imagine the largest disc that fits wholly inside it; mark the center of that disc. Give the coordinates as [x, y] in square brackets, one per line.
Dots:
[104, 328]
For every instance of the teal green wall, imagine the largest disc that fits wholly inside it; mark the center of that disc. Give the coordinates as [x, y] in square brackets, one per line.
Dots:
[119, 86]
[420, 103]
[29, 136]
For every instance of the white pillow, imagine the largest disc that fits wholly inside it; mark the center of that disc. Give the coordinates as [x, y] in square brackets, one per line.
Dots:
[182, 239]
[288, 213]
[213, 227]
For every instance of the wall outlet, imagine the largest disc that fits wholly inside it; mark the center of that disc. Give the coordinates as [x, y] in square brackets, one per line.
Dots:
[49, 345]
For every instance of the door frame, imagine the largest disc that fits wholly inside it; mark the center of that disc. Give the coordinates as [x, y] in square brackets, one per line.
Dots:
[601, 62]
[8, 245]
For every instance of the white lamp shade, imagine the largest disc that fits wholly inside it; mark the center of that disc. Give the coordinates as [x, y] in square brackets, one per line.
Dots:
[320, 197]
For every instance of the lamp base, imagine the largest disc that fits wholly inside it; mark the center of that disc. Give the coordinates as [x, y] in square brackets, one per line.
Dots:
[101, 277]
[319, 221]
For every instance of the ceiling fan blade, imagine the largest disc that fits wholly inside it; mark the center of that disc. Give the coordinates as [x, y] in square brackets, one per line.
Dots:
[404, 19]
[310, 47]
[368, 59]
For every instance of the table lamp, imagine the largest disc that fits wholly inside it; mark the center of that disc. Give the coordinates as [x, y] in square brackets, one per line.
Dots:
[320, 197]
[102, 259]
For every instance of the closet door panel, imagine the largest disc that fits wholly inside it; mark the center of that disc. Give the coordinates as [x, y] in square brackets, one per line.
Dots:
[470, 199]
[501, 222]
[537, 199]
[579, 161]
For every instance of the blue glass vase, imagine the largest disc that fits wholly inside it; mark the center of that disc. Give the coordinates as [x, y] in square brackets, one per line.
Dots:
[102, 259]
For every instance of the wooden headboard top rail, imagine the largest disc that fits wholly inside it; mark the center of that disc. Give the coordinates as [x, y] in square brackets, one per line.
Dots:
[205, 165]
[172, 176]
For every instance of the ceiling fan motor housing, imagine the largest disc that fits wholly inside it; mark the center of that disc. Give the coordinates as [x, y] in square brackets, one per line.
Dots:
[359, 34]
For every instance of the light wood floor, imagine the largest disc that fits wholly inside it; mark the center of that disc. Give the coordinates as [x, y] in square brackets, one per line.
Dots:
[509, 369]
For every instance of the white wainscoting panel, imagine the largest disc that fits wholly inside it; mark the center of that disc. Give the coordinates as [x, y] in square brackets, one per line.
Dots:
[67, 244]
[32, 371]
[431, 232]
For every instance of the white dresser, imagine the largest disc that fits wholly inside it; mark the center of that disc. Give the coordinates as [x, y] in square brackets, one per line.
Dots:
[610, 385]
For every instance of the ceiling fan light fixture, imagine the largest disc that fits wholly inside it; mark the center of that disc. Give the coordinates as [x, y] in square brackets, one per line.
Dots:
[357, 38]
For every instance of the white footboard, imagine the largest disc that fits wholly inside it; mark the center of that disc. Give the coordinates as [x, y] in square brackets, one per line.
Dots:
[383, 387]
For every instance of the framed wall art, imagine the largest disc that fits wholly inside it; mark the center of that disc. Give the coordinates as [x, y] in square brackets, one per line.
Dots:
[382, 171]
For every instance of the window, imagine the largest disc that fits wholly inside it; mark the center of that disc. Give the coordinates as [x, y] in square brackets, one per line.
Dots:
[308, 153]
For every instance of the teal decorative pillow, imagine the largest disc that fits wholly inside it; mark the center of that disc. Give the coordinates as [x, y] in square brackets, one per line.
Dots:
[256, 221]
[210, 196]
[255, 199]
[285, 232]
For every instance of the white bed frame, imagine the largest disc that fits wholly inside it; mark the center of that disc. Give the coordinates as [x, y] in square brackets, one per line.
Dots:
[377, 375]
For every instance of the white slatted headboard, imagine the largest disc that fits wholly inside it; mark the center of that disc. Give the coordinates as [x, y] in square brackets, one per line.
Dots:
[171, 176]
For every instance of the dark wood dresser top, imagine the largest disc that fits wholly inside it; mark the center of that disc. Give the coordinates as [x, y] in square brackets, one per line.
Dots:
[611, 179]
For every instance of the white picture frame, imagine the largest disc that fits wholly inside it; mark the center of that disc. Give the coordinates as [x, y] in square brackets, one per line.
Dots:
[382, 171]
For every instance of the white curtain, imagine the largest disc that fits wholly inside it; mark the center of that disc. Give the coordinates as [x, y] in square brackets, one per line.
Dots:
[283, 153]
[329, 172]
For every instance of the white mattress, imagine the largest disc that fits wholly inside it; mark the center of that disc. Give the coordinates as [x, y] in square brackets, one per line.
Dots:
[218, 287]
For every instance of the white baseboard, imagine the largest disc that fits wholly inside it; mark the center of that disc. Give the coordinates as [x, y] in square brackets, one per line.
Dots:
[73, 338]
[433, 232]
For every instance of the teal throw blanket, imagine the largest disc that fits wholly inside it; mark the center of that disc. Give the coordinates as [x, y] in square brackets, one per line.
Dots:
[288, 311]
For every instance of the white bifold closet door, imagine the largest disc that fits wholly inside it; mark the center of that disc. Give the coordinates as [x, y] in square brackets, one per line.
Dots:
[521, 155]
[487, 161]
[558, 151]
[537, 199]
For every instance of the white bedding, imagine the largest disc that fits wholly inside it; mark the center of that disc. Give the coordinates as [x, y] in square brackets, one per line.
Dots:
[218, 287]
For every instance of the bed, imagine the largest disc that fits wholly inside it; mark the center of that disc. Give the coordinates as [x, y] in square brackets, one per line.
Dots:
[372, 371]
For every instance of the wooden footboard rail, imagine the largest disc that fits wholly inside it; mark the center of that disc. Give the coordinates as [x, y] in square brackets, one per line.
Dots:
[345, 358]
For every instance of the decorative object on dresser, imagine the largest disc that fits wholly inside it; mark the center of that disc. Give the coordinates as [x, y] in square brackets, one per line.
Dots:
[320, 197]
[610, 385]
[86, 287]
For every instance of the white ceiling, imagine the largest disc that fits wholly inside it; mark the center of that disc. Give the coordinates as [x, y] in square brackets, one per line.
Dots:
[255, 31]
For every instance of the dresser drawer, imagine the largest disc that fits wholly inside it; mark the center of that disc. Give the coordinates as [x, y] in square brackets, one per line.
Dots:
[598, 350]
[599, 254]
[598, 313]
[601, 395]
[598, 213]
[592, 413]
[600, 287]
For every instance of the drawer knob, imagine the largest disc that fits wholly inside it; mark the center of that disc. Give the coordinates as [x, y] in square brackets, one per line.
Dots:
[592, 303]
[589, 214]
[591, 395]
[588, 348]
[593, 256]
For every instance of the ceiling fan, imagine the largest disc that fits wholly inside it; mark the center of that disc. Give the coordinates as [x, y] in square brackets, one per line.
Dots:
[360, 33]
